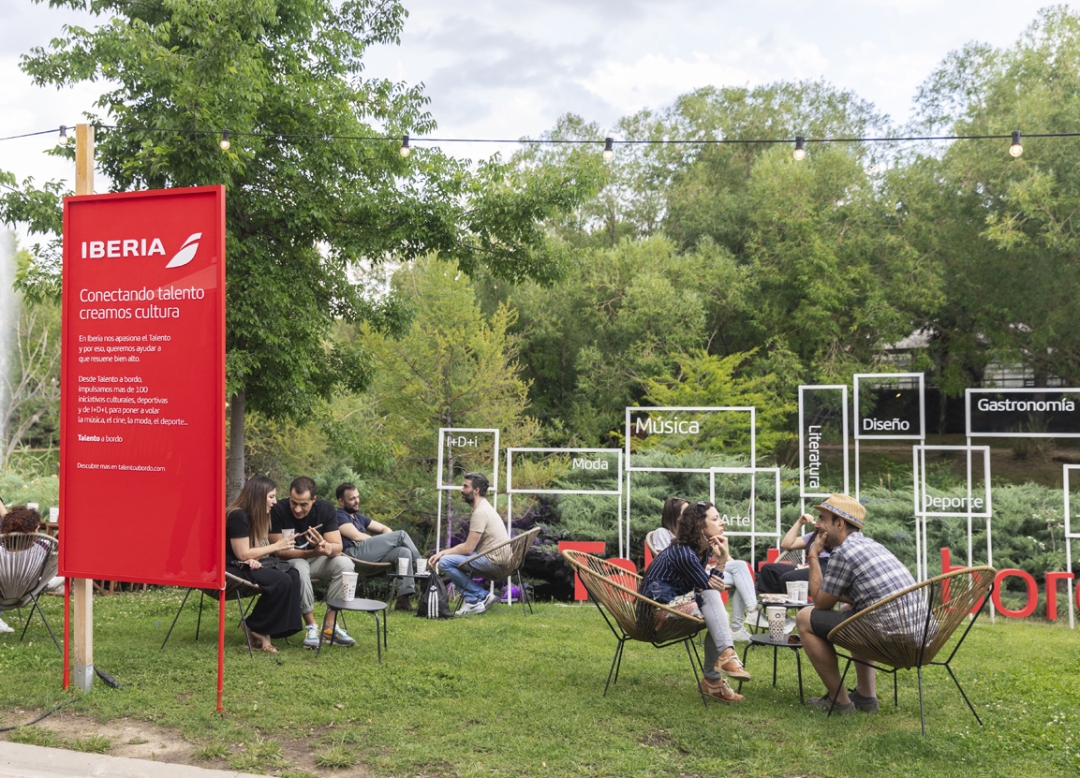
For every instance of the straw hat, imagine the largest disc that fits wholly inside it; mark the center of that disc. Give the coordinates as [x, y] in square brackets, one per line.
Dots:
[847, 508]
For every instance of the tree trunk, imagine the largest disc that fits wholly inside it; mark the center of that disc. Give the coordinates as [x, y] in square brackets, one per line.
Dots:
[234, 459]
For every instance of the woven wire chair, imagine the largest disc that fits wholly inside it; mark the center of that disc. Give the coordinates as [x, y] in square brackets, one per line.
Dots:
[27, 564]
[910, 628]
[633, 616]
[507, 563]
[235, 586]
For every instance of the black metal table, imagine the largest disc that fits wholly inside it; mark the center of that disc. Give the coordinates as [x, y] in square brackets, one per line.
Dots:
[765, 639]
[361, 605]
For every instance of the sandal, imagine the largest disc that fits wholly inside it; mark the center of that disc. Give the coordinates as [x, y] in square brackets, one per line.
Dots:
[719, 690]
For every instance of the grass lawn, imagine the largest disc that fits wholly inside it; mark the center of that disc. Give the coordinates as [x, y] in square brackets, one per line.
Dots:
[502, 694]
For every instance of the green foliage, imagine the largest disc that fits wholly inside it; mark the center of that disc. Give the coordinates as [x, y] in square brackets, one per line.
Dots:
[19, 488]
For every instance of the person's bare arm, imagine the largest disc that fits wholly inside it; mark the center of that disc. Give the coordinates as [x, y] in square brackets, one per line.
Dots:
[465, 548]
[375, 528]
[822, 600]
[245, 552]
[293, 553]
[352, 533]
[793, 540]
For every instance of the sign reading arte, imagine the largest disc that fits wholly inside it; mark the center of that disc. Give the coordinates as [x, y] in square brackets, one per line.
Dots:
[143, 387]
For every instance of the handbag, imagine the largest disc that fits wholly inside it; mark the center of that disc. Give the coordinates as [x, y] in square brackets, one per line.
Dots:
[434, 602]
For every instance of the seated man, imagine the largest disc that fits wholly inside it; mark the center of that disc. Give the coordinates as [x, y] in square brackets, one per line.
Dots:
[773, 577]
[369, 541]
[861, 572]
[317, 554]
[486, 530]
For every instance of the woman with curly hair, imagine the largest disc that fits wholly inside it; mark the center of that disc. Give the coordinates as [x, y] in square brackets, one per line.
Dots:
[680, 569]
[26, 521]
[249, 555]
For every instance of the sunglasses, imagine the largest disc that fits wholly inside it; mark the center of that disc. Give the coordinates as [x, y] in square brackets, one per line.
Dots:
[704, 504]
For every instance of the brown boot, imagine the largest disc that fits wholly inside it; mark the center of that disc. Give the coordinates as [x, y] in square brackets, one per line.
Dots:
[402, 603]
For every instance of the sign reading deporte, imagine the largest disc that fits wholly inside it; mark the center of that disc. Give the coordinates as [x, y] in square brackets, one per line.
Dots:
[142, 490]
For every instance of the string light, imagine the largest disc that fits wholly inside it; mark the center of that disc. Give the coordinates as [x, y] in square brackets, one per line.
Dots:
[225, 142]
[800, 149]
[63, 139]
[1016, 149]
[405, 150]
[609, 152]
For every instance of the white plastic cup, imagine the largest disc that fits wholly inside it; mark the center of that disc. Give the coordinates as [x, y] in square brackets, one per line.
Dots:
[421, 566]
[804, 591]
[777, 617]
[287, 532]
[348, 586]
[54, 515]
[794, 591]
[403, 565]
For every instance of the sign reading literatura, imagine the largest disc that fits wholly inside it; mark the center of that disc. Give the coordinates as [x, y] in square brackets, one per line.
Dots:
[142, 480]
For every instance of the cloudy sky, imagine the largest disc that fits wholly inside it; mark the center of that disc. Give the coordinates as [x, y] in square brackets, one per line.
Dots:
[510, 69]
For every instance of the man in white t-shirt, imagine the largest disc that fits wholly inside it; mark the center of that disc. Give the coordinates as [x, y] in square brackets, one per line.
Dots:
[486, 530]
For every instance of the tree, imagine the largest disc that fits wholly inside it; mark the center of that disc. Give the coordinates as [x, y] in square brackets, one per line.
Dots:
[31, 386]
[285, 77]
[453, 367]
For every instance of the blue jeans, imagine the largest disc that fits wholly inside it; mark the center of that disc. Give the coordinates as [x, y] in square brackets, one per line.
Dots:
[473, 592]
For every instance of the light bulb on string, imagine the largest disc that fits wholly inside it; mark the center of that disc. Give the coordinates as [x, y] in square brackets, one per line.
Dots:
[800, 149]
[609, 151]
[405, 150]
[1016, 149]
[63, 139]
[225, 142]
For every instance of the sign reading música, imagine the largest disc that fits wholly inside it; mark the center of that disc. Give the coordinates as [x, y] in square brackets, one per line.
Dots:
[1027, 413]
[142, 488]
[890, 405]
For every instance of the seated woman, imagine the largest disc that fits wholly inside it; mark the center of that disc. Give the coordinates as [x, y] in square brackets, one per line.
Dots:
[680, 569]
[663, 536]
[773, 578]
[744, 605]
[248, 554]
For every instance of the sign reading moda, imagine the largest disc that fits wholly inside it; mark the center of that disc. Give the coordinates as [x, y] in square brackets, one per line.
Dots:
[142, 487]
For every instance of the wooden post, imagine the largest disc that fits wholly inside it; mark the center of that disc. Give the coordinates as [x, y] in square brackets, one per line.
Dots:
[84, 587]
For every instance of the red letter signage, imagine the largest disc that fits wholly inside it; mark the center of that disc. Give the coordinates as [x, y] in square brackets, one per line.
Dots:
[142, 485]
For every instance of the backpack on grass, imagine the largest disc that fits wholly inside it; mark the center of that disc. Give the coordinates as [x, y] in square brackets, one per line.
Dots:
[434, 602]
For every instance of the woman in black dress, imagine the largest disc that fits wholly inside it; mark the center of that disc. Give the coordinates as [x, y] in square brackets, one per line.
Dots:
[249, 555]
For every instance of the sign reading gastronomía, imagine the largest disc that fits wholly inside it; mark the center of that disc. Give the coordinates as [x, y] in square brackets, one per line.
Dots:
[142, 480]
[1027, 413]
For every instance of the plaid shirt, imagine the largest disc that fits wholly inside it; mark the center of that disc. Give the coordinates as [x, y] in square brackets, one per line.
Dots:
[864, 571]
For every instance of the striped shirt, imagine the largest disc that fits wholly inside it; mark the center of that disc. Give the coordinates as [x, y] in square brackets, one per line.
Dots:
[675, 571]
[864, 571]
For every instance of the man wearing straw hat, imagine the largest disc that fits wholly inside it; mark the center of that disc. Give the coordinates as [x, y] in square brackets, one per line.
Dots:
[861, 572]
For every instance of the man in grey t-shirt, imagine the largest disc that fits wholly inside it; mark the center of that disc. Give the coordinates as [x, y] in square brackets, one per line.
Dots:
[486, 530]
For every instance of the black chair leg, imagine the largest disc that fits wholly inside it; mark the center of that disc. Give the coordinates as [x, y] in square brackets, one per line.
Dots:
[962, 694]
[175, 618]
[37, 607]
[615, 662]
[243, 615]
[922, 712]
[694, 667]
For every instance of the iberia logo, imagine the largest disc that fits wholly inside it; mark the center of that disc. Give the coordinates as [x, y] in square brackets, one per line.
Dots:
[135, 247]
[187, 251]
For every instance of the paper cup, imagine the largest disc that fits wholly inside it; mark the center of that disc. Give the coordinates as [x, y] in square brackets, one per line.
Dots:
[403, 565]
[32, 506]
[777, 617]
[287, 532]
[54, 515]
[794, 591]
[421, 566]
[348, 586]
[804, 591]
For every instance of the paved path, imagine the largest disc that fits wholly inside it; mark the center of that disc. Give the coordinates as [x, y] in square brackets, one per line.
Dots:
[22, 761]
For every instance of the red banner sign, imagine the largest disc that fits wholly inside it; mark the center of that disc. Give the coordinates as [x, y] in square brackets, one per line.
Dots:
[142, 477]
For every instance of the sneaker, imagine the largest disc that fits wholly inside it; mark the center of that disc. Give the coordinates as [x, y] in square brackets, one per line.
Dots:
[490, 600]
[311, 636]
[4, 627]
[337, 636]
[756, 618]
[742, 636]
[732, 667]
[470, 608]
[719, 690]
[824, 702]
[865, 704]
